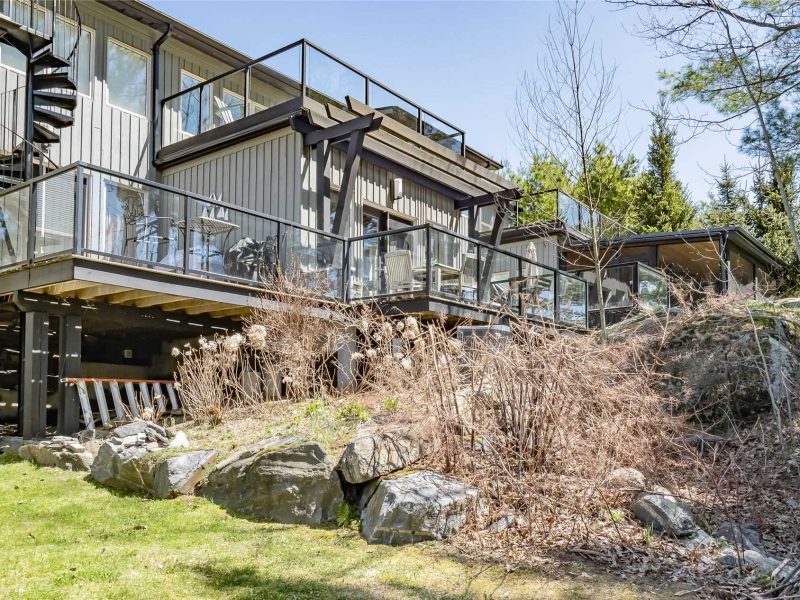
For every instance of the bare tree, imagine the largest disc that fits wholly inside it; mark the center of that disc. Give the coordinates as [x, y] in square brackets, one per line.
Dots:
[743, 56]
[565, 110]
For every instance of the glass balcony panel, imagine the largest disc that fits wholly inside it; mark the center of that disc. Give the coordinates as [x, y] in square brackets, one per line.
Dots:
[275, 80]
[500, 279]
[328, 80]
[55, 214]
[653, 289]
[393, 106]
[571, 300]
[128, 221]
[231, 244]
[454, 267]
[227, 100]
[442, 133]
[618, 286]
[394, 263]
[538, 291]
[312, 260]
[14, 210]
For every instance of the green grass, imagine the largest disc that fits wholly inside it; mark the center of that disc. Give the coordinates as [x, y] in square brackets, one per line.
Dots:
[65, 537]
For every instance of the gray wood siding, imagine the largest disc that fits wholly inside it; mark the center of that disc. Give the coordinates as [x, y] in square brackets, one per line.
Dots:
[543, 250]
[261, 174]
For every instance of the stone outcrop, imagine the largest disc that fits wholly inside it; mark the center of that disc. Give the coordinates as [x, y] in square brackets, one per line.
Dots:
[60, 452]
[664, 513]
[286, 480]
[626, 479]
[417, 507]
[133, 459]
[377, 454]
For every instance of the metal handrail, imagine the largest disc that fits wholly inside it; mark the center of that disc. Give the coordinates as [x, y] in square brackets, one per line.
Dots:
[305, 44]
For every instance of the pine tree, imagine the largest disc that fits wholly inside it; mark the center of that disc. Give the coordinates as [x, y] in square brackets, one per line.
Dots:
[729, 204]
[661, 201]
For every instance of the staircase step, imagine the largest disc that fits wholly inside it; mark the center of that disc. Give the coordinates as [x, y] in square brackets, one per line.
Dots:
[12, 170]
[68, 101]
[48, 60]
[52, 118]
[42, 135]
[23, 38]
[50, 81]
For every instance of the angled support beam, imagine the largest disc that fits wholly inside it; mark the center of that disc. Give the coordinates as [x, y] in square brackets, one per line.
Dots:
[500, 220]
[489, 199]
[341, 223]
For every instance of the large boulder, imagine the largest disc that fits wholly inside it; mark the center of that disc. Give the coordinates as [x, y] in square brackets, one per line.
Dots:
[126, 467]
[376, 454]
[60, 452]
[741, 536]
[176, 475]
[661, 511]
[286, 480]
[417, 507]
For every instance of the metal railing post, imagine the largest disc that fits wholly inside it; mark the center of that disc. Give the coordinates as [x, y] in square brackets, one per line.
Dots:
[428, 257]
[246, 89]
[366, 91]
[478, 275]
[32, 216]
[345, 270]
[303, 68]
[557, 297]
[78, 223]
[186, 241]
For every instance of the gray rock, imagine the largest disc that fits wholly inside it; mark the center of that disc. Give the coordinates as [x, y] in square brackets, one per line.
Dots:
[507, 521]
[417, 507]
[664, 513]
[280, 479]
[10, 444]
[764, 564]
[131, 429]
[742, 536]
[127, 468]
[378, 454]
[626, 478]
[178, 475]
[179, 441]
[60, 452]
[700, 539]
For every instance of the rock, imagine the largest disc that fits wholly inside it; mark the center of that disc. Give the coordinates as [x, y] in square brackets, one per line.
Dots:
[664, 513]
[60, 452]
[744, 537]
[507, 521]
[699, 540]
[704, 443]
[10, 444]
[124, 467]
[764, 564]
[179, 441]
[131, 429]
[180, 474]
[286, 480]
[378, 454]
[359, 494]
[626, 478]
[417, 507]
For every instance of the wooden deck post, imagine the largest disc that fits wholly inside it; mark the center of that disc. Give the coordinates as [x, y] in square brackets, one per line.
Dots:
[33, 387]
[69, 365]
[346, 364]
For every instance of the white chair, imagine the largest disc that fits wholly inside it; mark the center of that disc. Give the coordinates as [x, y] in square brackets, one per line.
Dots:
[399, 272]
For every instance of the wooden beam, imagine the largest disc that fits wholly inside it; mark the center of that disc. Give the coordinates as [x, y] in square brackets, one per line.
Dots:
[206, 307]
[69, 365]
[67, 286]
[128, 296]
[153, 300]
[181, 304]
[341, 221]
[490, 199]
[93, 292]
[228, 312]
[33, 388]
[343, 130]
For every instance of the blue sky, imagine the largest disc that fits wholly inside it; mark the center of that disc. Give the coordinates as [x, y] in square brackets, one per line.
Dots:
[461, 60]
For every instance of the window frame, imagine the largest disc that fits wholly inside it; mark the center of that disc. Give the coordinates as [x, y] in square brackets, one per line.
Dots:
[112, 40]
[5, 66]
[92, 37]
[201, 90]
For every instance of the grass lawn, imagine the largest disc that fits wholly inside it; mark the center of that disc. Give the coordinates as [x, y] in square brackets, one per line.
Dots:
[65, 537]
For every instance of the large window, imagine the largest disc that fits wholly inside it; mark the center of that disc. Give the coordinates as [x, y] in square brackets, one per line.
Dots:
[64, 41]
[12, 58]
[126, 78]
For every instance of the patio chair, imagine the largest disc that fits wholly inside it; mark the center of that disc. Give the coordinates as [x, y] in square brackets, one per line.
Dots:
[399, 272]
[501, 288]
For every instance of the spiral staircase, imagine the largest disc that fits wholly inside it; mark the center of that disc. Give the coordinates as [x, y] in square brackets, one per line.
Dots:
[50, 96]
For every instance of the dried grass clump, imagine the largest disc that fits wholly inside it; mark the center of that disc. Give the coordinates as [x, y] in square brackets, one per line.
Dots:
[538, 420]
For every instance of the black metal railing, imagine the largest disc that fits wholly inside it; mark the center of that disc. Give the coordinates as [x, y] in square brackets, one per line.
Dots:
[301, 69]
[90, 211]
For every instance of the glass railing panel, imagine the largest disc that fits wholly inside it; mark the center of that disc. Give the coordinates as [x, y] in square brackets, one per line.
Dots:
[572, 300]
[394, 263]
[500, 279]
[538, 291]
[619, 286]
[230, 244]
[275, 80]
[226, 98]
[55, 214]
[328, 80]
[653, 289]
[442, 133]
[126, 220]
[14, 210]
[454, 267]
[393, 106]
[312, 260]
[569, 211]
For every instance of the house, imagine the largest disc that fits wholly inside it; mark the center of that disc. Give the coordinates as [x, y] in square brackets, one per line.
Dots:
[153, 177]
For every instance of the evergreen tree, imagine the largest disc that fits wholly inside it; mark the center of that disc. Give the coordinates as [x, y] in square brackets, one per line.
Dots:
[729, 204]
[661, 201]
